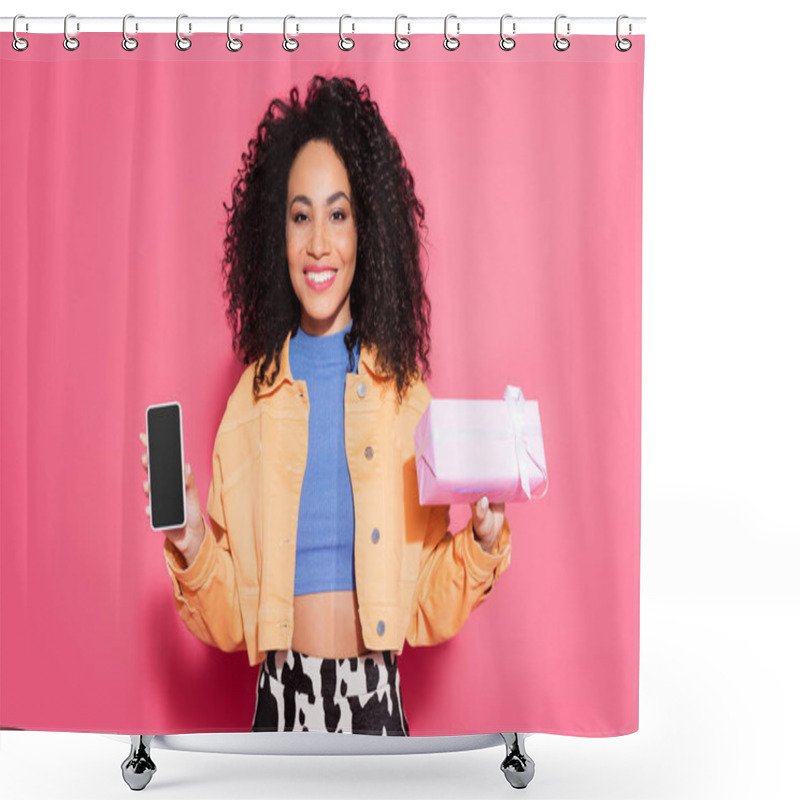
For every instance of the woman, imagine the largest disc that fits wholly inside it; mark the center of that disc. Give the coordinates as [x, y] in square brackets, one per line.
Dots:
[319, 559]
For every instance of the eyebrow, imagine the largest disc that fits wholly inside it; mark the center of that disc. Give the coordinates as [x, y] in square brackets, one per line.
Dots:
[301, 198]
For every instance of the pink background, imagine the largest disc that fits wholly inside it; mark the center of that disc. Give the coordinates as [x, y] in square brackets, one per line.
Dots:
[114, 169]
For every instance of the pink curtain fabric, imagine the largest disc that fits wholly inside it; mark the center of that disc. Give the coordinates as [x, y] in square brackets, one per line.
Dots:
[115, 166]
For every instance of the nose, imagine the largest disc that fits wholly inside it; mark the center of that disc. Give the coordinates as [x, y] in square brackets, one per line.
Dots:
[318, 241]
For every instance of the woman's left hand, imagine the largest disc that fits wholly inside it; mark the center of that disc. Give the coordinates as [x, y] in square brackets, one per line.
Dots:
[487, 520]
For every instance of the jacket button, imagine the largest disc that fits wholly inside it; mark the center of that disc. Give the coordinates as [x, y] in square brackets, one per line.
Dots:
[362, 390]
[381, 627]
[368, 452]
[376, 534]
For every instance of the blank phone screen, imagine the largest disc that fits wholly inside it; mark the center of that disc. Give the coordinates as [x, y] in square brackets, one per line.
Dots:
[166, 466]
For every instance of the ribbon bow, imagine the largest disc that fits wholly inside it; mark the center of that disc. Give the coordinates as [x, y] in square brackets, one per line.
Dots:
[515, 401]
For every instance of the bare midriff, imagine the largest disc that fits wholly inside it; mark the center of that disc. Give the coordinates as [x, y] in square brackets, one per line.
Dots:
[326, 625]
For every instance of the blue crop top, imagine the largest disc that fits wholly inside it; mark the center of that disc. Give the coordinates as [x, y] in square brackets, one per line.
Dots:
[324, 560]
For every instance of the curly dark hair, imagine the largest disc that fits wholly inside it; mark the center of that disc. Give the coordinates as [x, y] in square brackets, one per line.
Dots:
[388, 303]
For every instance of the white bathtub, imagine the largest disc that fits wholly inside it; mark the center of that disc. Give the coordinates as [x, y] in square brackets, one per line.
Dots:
[138, 768]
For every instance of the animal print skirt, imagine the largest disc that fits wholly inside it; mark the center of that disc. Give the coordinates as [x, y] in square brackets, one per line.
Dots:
[298, 692]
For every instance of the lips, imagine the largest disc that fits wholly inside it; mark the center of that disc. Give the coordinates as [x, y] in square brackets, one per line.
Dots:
[317, 284]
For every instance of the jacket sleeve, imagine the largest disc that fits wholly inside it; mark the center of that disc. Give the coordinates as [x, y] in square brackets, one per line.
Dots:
[455, 577]
[206, 594]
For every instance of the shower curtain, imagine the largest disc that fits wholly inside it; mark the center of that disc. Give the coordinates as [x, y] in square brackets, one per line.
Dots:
[117, 168]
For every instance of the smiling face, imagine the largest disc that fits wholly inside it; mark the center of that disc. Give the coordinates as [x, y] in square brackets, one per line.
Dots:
[321, 238]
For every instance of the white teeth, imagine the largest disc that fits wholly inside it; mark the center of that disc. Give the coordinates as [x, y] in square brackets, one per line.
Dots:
[321, 277]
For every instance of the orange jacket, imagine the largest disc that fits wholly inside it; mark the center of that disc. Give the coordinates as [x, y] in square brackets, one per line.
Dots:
[415, 581]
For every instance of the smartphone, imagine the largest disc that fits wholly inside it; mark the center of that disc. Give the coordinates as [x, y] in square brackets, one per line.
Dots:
[165, 471]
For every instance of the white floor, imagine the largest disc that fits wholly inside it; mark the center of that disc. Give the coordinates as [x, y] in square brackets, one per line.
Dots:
[719, 701]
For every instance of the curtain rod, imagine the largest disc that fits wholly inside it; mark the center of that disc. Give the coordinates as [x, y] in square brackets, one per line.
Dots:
[407, 25]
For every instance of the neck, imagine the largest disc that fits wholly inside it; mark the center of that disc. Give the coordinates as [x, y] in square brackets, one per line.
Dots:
[326, 327]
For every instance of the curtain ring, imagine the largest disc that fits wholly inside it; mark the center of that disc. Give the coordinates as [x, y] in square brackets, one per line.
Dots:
[345, 42]
[506, 42]
[182, 42]
[623, 45]
[451, 42]
[70, 42]
[560, 42]
[233, 44]
[17, 42]
[128, 42]
[401, 42]
[289, 42]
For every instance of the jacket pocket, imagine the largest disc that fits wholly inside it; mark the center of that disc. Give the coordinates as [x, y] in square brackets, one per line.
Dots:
[412, 518]
[242, 501]
[241, 470]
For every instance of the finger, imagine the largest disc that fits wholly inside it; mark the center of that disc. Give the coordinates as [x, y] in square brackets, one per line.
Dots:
[147, 510]
[142, 438]
[144, 460]
[146, 488]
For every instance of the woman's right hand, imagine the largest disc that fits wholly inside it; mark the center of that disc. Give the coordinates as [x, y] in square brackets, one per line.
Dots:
[189, 538]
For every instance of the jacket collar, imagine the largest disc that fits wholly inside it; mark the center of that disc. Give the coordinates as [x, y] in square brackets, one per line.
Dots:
[366, 361]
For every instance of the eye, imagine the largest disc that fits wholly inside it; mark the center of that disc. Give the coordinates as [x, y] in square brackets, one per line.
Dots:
[296, 216]
[343, 215]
